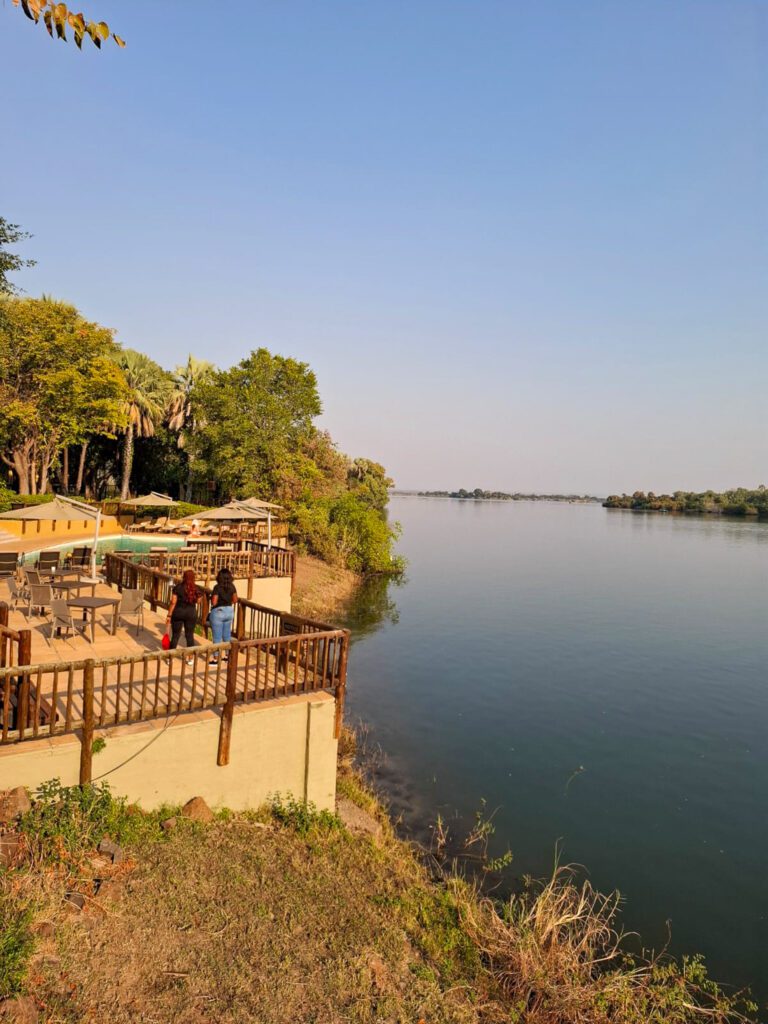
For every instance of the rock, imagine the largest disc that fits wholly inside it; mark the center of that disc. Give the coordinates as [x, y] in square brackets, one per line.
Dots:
[197, 809]
[13, 803]
[12, 847]
[356, 819]
[74, 900]
[115, 853]
[19, 1010]
[168, 824]
[110, 890]
[43, 929]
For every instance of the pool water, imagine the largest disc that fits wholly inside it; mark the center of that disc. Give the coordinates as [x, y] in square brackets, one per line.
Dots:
[121, 543]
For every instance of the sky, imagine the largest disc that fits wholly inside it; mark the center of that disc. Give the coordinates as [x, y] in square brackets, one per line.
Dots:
[523, 245]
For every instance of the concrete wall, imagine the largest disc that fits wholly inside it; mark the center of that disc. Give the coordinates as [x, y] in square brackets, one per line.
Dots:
[286, 746]
[271, 591]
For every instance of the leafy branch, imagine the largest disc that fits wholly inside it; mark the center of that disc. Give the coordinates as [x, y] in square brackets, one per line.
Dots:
[56, 17]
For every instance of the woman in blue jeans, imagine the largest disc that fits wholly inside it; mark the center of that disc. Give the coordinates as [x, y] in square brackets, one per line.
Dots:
[223, 601]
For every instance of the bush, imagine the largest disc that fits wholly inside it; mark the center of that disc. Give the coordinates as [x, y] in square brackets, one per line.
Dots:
[66, 823]
[347, 530]
[302, 816]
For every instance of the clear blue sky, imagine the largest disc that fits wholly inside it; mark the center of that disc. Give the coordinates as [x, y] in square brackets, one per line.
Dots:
[522, 244]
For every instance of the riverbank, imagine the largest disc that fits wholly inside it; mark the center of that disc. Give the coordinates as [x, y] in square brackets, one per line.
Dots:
[321, 590]
[285, 915]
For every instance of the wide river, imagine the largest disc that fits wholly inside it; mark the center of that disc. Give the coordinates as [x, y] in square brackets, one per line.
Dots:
[601, 678]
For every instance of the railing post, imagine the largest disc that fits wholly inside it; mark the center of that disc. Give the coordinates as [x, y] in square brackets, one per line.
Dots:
[6, 641]
[240, 621]
[25, 646]
[86, 748]
[227, 713]
[341, 684]
[22, 691]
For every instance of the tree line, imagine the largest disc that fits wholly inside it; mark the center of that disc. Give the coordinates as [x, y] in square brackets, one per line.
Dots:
[741, 501]
[480, 495]
[81, 414]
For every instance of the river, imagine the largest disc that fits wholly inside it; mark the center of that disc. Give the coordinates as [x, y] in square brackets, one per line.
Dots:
[600, 679]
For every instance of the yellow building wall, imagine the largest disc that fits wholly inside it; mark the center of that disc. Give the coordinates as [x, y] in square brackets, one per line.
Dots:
[60, 532]
[285, 746]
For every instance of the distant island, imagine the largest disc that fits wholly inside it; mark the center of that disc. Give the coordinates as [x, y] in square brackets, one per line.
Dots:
[479, 495]
[738, 502]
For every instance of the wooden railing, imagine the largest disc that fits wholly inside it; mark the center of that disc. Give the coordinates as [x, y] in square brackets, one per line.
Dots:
[15, 645]
[252, 620]
[257, 562]
[64, 697]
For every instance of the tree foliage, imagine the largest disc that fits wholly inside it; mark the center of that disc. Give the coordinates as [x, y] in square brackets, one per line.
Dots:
[57, 17]
[148, 393]
[58, 383]
[10, 262]
[740, 501]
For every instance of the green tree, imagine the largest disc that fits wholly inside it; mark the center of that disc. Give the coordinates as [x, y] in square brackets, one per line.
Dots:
[58, 382]
[148, 393]
[257, 415]
[10, 262]
[185, 412]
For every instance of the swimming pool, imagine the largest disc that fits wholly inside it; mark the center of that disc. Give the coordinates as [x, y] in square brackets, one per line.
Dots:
[121, 543]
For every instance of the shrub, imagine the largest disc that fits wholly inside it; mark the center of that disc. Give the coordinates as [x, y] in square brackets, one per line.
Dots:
[348, 531]
[302, 816]
[65, 823]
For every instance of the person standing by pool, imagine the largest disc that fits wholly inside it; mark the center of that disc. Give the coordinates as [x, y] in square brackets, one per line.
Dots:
[182, 613]
[223, 601]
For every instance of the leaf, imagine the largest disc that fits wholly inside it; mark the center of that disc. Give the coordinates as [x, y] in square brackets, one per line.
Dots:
[60, 28]
[120, 42]
[103, 29]
[48, 19]
[25, 8]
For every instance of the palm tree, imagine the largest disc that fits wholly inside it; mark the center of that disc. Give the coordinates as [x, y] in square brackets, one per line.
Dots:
[149, 390]
[184, 416]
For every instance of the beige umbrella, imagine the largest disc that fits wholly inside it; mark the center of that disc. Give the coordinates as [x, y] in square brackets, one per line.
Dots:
[268, 505]
[234, 512]
[152, 500]
[61, 510]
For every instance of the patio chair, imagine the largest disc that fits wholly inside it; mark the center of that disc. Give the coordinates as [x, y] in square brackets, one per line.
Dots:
[80, 558]
[48, 560]
[33, 577]
[18, 592]
[159, 525]
[9, 561]
[132, 603]
[62, 618]
[40, 597]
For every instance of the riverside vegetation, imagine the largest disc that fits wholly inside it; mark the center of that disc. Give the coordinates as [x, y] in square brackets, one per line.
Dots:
[480, 495]
[83, 415]
[741, 501]
[285, 915]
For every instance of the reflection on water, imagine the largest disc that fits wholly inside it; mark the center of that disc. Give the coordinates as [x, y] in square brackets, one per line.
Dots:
[600, 678]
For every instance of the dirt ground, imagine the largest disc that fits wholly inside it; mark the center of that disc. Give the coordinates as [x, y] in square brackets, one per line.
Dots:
[321, 590]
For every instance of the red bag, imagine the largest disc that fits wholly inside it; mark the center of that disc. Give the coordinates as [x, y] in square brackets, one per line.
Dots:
[166, 641]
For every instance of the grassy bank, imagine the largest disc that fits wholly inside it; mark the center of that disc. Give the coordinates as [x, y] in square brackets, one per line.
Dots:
[321, 590]
[288, 916]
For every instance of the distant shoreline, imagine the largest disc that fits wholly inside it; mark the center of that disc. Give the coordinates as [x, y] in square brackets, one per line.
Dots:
[461, 495]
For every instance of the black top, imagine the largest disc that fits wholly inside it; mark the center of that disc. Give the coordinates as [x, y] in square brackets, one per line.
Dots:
[181, 596]
[225, 596]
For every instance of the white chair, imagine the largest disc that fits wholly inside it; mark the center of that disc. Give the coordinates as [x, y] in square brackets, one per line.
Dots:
[62, 618]
[132, 603]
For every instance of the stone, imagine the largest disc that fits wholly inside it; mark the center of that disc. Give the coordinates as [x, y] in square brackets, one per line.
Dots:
[115, 853]
[13, 803]
[356, 819]
[12, 847]
[43, 929]
[19, 1010]
[197, 809]
[168, 824]
[74, 900]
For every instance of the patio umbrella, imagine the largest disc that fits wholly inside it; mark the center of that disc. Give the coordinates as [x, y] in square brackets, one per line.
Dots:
[236, 512]
[268, 505]
[61, 510]
[152, 500]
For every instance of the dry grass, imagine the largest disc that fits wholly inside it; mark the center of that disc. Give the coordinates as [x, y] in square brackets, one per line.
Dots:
[558, 956]
[322, 591]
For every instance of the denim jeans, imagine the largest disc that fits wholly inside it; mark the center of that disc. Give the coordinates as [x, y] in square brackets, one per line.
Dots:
[222, 617]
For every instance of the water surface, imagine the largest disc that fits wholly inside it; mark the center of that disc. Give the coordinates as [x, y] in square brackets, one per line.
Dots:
[537, 643]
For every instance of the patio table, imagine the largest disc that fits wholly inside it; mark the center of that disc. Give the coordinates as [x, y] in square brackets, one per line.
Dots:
[92, 604]
[73, 586]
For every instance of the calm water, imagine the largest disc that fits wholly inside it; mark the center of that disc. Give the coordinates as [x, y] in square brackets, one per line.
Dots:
[534, 641]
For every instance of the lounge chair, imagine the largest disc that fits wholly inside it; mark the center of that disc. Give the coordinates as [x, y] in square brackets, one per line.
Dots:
[145, 524]
[9, 561]
[159, 525]
[132, 603]
[62, 618]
